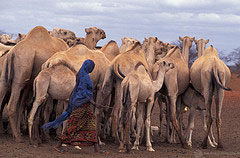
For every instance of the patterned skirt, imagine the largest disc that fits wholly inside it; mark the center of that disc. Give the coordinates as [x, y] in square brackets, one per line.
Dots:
[80, 128]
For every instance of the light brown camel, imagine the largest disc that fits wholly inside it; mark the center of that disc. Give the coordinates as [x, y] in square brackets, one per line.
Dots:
[110, 50]
[152, 46]
[7, 40]
[175, 83]
[120, 67]
[209, 76]
[195, 101]
[138, 90]
[57, 79]
[93, 35]
[201, 46]
[22, 64]
[126, 42]
[186, 45]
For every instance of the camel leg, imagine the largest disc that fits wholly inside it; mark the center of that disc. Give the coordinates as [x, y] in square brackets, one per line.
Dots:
[59, 111]
[208, 105]
[148, 124]
[160, 115]
[219, 101]
[41, 85]
[190, 125]
[203, 116]
[115, 112]
[3, 101]
[133, 122]
[168, 115]
[12, 110]
[48, 108]
[173, 100]
[140, 112]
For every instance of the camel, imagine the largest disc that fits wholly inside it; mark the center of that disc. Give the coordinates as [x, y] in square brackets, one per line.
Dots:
[126, 42]
[201, 46]
[209, 76]
[57, 79]
[93, 35]
[152, 47]
[23, 62]
[121, 66]
[138, 90]
[110, 50]
[7, 40]
[195, 101]
[186, 45]
[175, 83]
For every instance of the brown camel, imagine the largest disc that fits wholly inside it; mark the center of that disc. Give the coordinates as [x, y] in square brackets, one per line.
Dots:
[201, 45]
[175, 83]
[7, 40]
[57, 79]
[110, 50]
[209, 76]
[126, 42]
[120, 67]
[4, 49]
[22, 64]
[186, 45]
[195, 101]
[138, 91]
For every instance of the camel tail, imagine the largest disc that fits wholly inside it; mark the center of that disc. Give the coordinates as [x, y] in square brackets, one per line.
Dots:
[126, 101]
[8, 68]
[216, 76]
[118, 72]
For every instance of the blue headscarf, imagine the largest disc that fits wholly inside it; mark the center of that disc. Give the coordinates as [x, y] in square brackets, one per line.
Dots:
[81, 94]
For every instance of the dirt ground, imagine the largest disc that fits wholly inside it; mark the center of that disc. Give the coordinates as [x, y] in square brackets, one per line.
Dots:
[230, 133]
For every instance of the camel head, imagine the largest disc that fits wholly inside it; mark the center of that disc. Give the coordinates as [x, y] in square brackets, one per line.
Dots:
[95, 33]
[126, 43]
[187, 41]
[63, 34]
[5, 38]
[161, 65]
[20, 37]
[201, 45]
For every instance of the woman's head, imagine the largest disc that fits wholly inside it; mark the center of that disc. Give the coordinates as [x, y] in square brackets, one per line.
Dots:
[88, 65]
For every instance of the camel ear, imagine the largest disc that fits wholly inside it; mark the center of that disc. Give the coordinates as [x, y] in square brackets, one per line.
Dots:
[19, 35]
[180, 38]
[156, 39]
[88, 30]
[195, 41]
[193, 38]
[171, 65]
[207, 41]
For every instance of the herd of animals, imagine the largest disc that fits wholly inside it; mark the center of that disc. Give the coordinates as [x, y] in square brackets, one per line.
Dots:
[38, 73]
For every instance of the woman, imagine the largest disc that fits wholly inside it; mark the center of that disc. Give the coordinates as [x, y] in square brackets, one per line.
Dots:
[81, 128]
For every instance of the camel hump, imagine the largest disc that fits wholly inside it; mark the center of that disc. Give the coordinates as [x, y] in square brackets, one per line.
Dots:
[38, 32]
[134, 46]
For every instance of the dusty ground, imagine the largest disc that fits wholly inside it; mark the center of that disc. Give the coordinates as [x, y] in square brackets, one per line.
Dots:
[230, 130]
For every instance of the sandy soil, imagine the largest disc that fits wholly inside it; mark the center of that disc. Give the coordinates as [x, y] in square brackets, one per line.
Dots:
[230, 130]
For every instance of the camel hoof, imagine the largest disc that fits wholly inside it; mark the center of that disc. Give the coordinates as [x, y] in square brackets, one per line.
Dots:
[204, 145]
[186, 146]
[64, 145]
[220, 147]
[19, 140]
[150, 149]
[77, 147]
[212, 145]
[122, 151]
[101, 143]
[189, 144]
[135, 148]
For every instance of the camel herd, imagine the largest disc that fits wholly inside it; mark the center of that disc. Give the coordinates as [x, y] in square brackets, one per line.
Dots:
[38, 73]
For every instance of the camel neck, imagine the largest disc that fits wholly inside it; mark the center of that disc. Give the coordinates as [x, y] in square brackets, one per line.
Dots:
[185, 53]
[201, 48]
[150, 55]
[90, 42]
[157, 84]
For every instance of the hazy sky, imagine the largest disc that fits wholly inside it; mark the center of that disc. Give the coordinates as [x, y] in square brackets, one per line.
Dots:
[216, 20]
